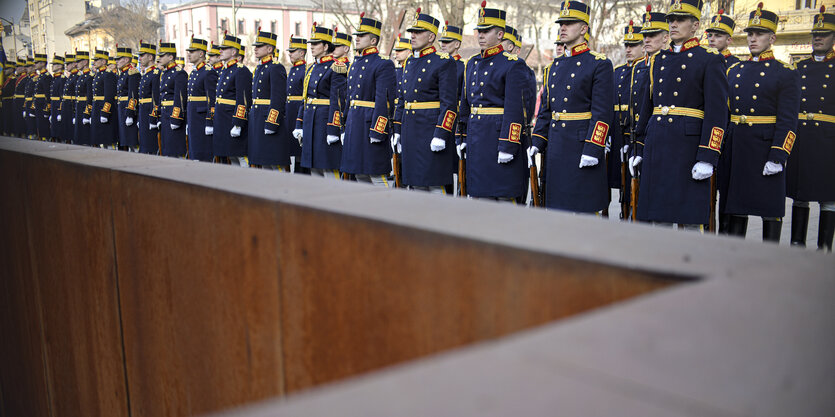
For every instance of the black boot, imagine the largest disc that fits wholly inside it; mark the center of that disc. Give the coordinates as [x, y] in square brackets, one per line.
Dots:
[771, 230]
[724, 223]
[826, 230]
[800, 222]
[738, 226]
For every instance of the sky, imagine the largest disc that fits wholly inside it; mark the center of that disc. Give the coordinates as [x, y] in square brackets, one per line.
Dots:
[11, 9]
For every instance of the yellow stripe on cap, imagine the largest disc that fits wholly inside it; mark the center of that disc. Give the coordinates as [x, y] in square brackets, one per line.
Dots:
[267, 41]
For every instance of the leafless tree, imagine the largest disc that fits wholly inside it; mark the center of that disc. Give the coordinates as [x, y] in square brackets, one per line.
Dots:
[129, 23]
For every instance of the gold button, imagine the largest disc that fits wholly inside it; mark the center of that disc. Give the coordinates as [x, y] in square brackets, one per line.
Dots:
[683, 66]
[756, 84]
[752, 110]
[658, 119]
[678, 79]
[762, 74]
[578, 63]
[565, 99]
[572, 75]
[754, 97]
[660, 80]
[690, 55]
[675, 93]
[563, 124]
[568, 87]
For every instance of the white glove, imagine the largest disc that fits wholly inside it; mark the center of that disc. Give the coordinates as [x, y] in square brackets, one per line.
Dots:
[332, 139]
[186, 128]
[437, 144]
[102, 119]
[174, 127]
[128, 121]
[342, 138]
[31, 114]
[58, 117]
[373, 140]
[505, 157]
[532, 151]
[772, 168]
[634, 161]
[268, 131]
[588, 161]
[209, 131]
[153, 126]
[159, 124]
[702, 170]
[608, 145]
[623, 152]
[85, 121]
[24, 114]
[235, 132]
[395, 140]
[73, 120]
[297, 133]
[50, 119]
[460, 150]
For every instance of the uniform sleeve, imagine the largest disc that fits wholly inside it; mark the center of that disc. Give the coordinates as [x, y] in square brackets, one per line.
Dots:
[383, 100]
[788, 107]
[602, 108]
[109, 93]
[543, 120]
[510, 135]
[210, 84]
[278, 96]
[448, 94]
[243, 94]
[88, 92]
[339, 92]
[463, 111]
[133, 95]
[716, 110]
[177, 113]
[400, 98]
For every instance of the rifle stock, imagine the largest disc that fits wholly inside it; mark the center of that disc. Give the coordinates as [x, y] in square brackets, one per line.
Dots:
[712, 222]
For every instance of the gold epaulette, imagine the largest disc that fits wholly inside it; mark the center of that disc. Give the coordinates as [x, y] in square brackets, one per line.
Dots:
[339, 68]
[711, 50]
[728, 71]
[598, 55]
[240, 64]
[510, 57]
[619, 66]
[443, 55]
[133, 71]
[787, 65]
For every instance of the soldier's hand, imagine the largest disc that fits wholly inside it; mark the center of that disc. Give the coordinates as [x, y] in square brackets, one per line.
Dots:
[58, 117]
[128, 121]
[608, 145]
[634, 161]
[103, 119]
[50, 119]
[24, 114]
[588, 161]
[342, 138]
[85, 121]
[395, 141]
[332, 139]
[623, 152]
[209, 131]
[532, 151]
[374, 140]
[297, 133]
[460, 150]
[235, 132]
[772, 168]
[505, 157]
[437, 145]
[73, 120]
[153, 126]
[268, 131]
[31, 114]
[702, 171]
[174, 126]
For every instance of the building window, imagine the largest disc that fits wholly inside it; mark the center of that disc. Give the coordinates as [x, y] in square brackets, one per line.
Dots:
[224, 24]
[257, 25]
[241, 27]
[200, 27]
[298, 29]
[272, 26]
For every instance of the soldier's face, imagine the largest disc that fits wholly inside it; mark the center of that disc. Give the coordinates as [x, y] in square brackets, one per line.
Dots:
[572, 32]
[717, 40]
[166, 59]
[682, 28]
[340, 51]
[634, 50]
[450, 47]
[402, 54]
[57, 68]
[317, 49]
[262, 51]
[653, 42]
[422, 39]
[362, 41]
[228, 53]
[122, 62]
[508, 45]
[823, 43]
[559, 49]
[488, 38]
[145, 60]
[297, 54]
[213, 59]
[195, 56]
[760, 40]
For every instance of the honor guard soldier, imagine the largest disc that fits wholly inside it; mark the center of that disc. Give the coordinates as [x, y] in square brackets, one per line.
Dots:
[490, 119]
[7, 96]
[427, 97]
[148, 115]
[127, 91]
[342, 46]
[172, 98]
[319, 121]
[512, 43]
[371, 89]
[269, 139]
[295, 90]
[633, 45]
[105, 130]
[402, 50]
[56, 90]
[20, 97]
[574, 119]
[234, 96]
[213, 58]
[68, 100]
[810, 173]
[682, 121]
[83, 100]
[31, 116]
[42, 102]
[450, 42]
[200, 81]
[764, 103]
[180, 62]
[215, 66]
[559, 47]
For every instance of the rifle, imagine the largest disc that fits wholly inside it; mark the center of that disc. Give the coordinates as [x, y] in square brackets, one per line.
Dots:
[397, 166]
[712, 222]
[462, 168]
[535, 200]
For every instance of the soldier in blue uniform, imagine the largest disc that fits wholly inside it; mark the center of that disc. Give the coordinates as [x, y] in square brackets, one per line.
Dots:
[127, 93]
[512, 43]
[810, 173]
[20, 112]
[574, 119]
[200, 80]
[427, 97]
[31, 120]
[68, 100]
[342, 46]
[41, 103]
[491, 115]
[295, 90]
[764, 103]
[656, 33]
[7, 97]
[450, 42]
[105, 127]
[215, 66]
[402, 50]
[172, 97]
[148, 113]
[371, 89]
[319, 121]
[269, 138]
[682, 121]
[83, 100]
[633, 45]
[55, 92]
[233, 98]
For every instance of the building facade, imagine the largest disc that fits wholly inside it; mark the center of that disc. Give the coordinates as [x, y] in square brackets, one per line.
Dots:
[50, 18]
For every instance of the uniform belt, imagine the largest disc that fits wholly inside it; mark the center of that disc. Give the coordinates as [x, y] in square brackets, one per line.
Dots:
[197, 98]
[318, 101]
[422, 105]
[621, 107]
[363, 103]
[79, 98]
[227, 101]
[294, 98]
[55, 98]
[40, 95]
[678, 111]
[68, 97]
[486, 110]
[124, 98]
[28, 99]
[261, 101]
[145, 100]
[168, 102]
[19, 95]
[570, 116]
[818, 117]
[753, 120]
[98, 98]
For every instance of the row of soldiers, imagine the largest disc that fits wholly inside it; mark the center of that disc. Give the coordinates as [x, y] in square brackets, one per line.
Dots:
[663, 128]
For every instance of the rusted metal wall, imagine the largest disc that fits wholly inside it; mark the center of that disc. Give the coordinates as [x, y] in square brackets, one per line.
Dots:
[145, 292]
